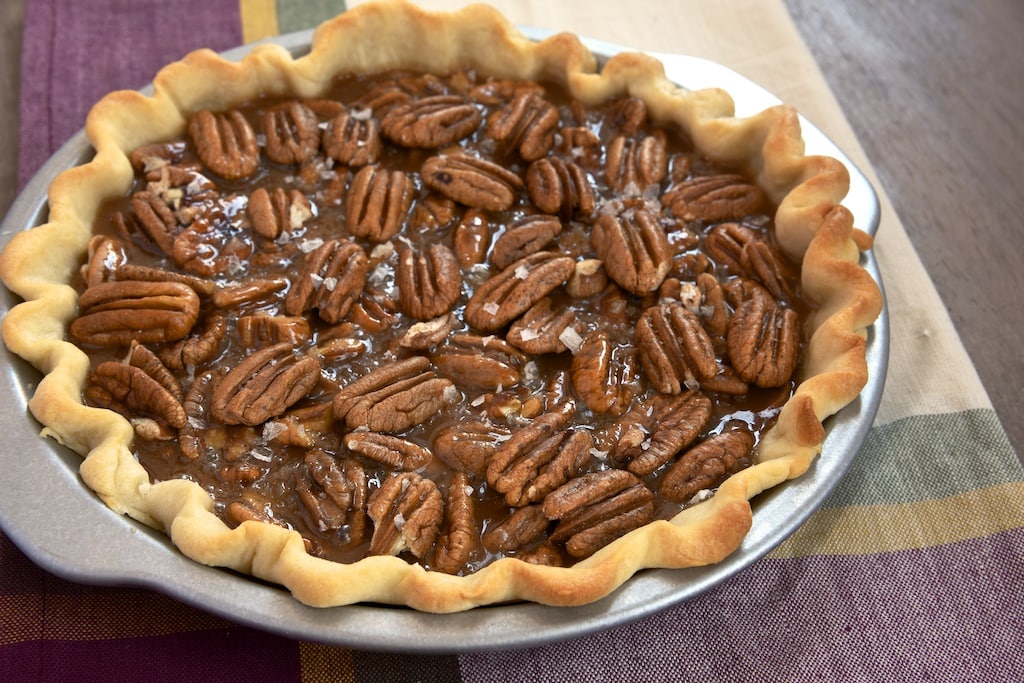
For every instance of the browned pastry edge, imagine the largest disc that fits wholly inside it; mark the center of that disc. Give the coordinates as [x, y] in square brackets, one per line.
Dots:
[38, 264]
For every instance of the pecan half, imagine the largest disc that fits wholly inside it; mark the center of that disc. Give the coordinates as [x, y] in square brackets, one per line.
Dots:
[604, 375]
[471, 238]
[526, 125]
[651, 434]
[332, 278]
[715, 198]
[131, 271]
[479, 362]
[595, 509]
[292, 133]
[725, 242]
[156, 220]
[394, 397]
[225, 143]
[407, 511]
[377, 202]
[581, 145]
[240, 293]
[472, 181]
[634, 248]
[353, 140]
[457, 543]
[524, 236]
[524, 526]
[117, 312]
[264, 385]
[540, 329]
[512, 292]
[538, 459]
[560, 187]
[707, 465]
[770, 268]
[105, 255]
[197, 349]
[209, 251]
[469, 446]
[675, 350]
[388, 450]
[334, 492]
[588, 279]
[429, 283]
[628, 115]
[141, 357]
[191, 436]
[632, 165]
[134, 392]
[763, 342]
[431, 122]
[278, 211]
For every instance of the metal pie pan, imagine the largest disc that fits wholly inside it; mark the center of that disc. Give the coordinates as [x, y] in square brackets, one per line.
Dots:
[63, 526]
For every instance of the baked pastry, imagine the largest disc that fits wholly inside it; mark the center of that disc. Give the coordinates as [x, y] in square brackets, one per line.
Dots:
[456, 322]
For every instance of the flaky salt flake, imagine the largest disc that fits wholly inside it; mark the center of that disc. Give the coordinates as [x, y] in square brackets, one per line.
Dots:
[451, 394]
[399, 520]
[491, 308]
[262, 454]
[530, 371]
[572, 340]
[478, 401]
[701, 496]
[235, 265]
[330, 283]
[528, 334]
[599, 454]
[522, 272]
[362, 114]
[310, 245]
[272, 430]
[317, 280]
[197, 184]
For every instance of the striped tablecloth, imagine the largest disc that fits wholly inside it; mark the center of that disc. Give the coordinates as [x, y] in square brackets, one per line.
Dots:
[913, 570]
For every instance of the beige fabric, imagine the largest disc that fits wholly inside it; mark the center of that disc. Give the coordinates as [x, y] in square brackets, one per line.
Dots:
[929, 371]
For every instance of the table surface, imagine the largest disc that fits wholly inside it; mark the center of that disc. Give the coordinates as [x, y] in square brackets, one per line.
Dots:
[939, 132]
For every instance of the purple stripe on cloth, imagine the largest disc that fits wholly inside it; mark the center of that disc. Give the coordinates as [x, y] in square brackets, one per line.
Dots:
[137, 38]
[937, 614]
[235, 654]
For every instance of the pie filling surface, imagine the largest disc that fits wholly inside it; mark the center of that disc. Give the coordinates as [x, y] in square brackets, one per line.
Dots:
[451, 318]
[491, 327]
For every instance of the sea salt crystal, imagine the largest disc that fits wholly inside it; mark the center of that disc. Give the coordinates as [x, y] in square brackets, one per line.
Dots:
[522, 272]
[330, 283]
[362, 114]
[528, 334]
[272, 430]
[572, 340]
[491, 308]
[399, 520]
[312, 244]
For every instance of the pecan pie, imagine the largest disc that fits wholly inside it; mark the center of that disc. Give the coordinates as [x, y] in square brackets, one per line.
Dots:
[461, 321]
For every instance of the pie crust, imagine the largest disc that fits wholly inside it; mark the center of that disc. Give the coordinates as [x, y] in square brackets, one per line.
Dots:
[811, 227]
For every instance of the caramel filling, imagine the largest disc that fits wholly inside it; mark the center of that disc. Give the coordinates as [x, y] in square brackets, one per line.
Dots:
[451, 319]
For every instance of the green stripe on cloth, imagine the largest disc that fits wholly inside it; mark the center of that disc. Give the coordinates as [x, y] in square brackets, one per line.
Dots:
[862, 530]
[928, 457]
[305, 14]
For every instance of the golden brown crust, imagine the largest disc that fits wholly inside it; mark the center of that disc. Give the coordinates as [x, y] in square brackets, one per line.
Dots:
[811, 227]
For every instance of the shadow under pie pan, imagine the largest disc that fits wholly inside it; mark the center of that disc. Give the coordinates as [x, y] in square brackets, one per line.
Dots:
[66, 529]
